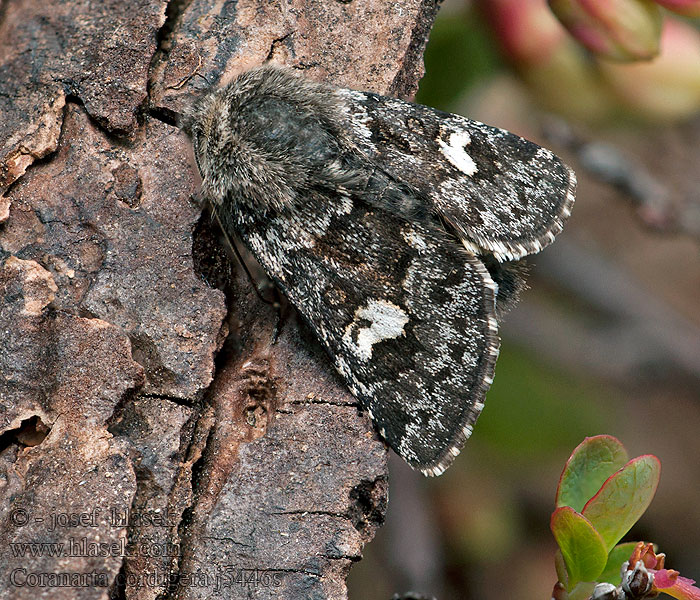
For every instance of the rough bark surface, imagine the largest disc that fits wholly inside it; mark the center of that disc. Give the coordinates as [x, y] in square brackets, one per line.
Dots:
[151, 420]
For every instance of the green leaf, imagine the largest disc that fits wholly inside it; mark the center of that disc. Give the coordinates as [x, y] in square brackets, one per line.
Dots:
[582, 591]
[590, 464]
[560, 567]
[582, 547]
[623, 498]
[618, 555]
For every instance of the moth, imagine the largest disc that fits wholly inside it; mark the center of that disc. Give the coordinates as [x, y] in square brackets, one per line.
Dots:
[394, 229]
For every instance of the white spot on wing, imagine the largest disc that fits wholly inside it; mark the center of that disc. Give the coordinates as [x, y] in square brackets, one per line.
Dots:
[414, 239]
[386, 322]
[345, 205]
[454, 152]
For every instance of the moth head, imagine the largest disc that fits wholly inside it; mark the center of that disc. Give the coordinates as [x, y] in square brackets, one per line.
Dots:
[264, 138]
[202, 122]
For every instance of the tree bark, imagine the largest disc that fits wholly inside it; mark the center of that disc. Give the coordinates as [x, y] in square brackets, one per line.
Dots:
[151, 421]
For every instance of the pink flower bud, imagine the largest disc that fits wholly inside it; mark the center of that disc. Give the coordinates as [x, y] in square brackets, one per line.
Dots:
[687, 8]
[646, 576]
[670, 582]
[622, 30]
[667, 88]
[553, 65]
[525, 29]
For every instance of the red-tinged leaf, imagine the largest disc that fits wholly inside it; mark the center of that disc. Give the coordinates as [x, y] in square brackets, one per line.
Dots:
[590, 464]
[581, 545]
[669, 582]
[618, 555]
[623, 498]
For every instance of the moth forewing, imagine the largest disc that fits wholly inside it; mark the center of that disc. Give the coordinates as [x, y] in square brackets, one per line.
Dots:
[389, 226]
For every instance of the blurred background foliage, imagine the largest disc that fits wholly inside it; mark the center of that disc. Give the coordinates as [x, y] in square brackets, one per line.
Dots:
[607, 340]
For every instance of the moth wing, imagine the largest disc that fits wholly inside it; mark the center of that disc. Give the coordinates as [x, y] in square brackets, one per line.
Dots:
[504, 194]
[405, 312]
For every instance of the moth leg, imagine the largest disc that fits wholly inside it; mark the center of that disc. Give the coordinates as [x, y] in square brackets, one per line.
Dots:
[275, 301]
[281, 314]
[231, 243]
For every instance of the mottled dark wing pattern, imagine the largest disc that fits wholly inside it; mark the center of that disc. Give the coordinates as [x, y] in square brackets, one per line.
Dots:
[404, 311]
[500, 192]
[384, 223]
